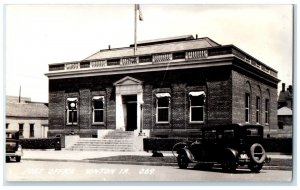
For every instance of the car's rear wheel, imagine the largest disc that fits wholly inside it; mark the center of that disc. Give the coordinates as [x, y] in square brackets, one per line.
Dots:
[255, 167]
[18, 158]
[182, 161]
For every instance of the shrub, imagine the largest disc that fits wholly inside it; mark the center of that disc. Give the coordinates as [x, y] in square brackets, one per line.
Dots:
[41, 143]
[161, 144]
[284, 145]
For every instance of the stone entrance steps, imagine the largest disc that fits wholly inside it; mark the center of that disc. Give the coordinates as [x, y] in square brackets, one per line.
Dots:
[121, 141]
[120, 135]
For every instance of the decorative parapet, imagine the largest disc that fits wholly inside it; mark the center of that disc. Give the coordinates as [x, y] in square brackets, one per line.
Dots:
[188, 55]
[58, 67]
[129, 61]
[266, 70]
[196, 54]
[98, 63]
[162, 58]
[72, 66]
[254, 63]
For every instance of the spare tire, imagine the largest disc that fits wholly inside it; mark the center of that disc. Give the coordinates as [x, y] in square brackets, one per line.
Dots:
[257, 153]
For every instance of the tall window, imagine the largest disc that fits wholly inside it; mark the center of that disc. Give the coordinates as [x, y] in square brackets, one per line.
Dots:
[98, 109]
[31, 130]
[21, 129]
[162, 107]
[257, 109]
[247, 107]
[267, 111]
[72, 106]
[197, 106]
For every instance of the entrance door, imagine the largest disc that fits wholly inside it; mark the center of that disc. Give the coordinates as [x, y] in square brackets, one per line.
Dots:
[131, 110]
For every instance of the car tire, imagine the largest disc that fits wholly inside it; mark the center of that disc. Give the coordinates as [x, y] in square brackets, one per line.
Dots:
[255, 167]
[206, 166]
[257, 153]
[229, 162]
[7, 159]
[182, 161]
[229, 167]
[18, 158]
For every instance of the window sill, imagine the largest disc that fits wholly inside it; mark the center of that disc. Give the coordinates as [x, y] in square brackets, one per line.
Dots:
[95, 124]
[196, 122]
[70, 124]
[164, 123]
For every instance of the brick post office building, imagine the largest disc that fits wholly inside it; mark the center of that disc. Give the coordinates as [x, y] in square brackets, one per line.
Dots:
[168, 88]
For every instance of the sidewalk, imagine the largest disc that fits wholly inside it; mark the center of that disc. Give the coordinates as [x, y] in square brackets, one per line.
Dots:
[278, 161]
[76, 155]
[85, 155]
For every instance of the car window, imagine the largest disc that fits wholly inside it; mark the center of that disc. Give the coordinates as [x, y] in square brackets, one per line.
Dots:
[252, 132]
[228, 134]
[210, 134]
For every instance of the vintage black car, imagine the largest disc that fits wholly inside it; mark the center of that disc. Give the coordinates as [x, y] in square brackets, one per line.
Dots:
[13, 147]
[229, 145]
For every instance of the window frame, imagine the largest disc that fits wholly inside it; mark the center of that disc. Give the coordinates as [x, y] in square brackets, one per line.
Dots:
[267, 111]
[70, 111]
[202, 93]
[31, 130]
[258, 110]
[21, 131]
[247, 109]
[166, 95]
[93, 109]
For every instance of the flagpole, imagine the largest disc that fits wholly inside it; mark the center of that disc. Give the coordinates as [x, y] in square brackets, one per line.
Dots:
[20, 94]
[135, 27]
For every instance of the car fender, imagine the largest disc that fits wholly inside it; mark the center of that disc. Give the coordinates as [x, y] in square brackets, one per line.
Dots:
[229, 152]
[188, 154]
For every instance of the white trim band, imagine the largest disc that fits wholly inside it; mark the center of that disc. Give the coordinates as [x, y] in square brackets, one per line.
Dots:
[199, 93]
[161, 95]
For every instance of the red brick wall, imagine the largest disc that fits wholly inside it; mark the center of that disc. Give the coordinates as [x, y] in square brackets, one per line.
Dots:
[224, 88]
[239, 82]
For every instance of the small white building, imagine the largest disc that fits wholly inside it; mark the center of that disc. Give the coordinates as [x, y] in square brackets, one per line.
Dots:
[30, 118]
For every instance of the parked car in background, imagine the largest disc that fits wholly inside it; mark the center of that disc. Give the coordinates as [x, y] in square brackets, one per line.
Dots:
[229, 145]
[13, 147]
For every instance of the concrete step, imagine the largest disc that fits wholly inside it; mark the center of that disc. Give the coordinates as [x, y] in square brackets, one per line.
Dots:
[119, 135]
[107, 140]
[103, 145]
[100, 149]
[122, 141]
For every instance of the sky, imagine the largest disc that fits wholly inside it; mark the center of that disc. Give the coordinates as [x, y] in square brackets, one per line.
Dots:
[38, 35]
